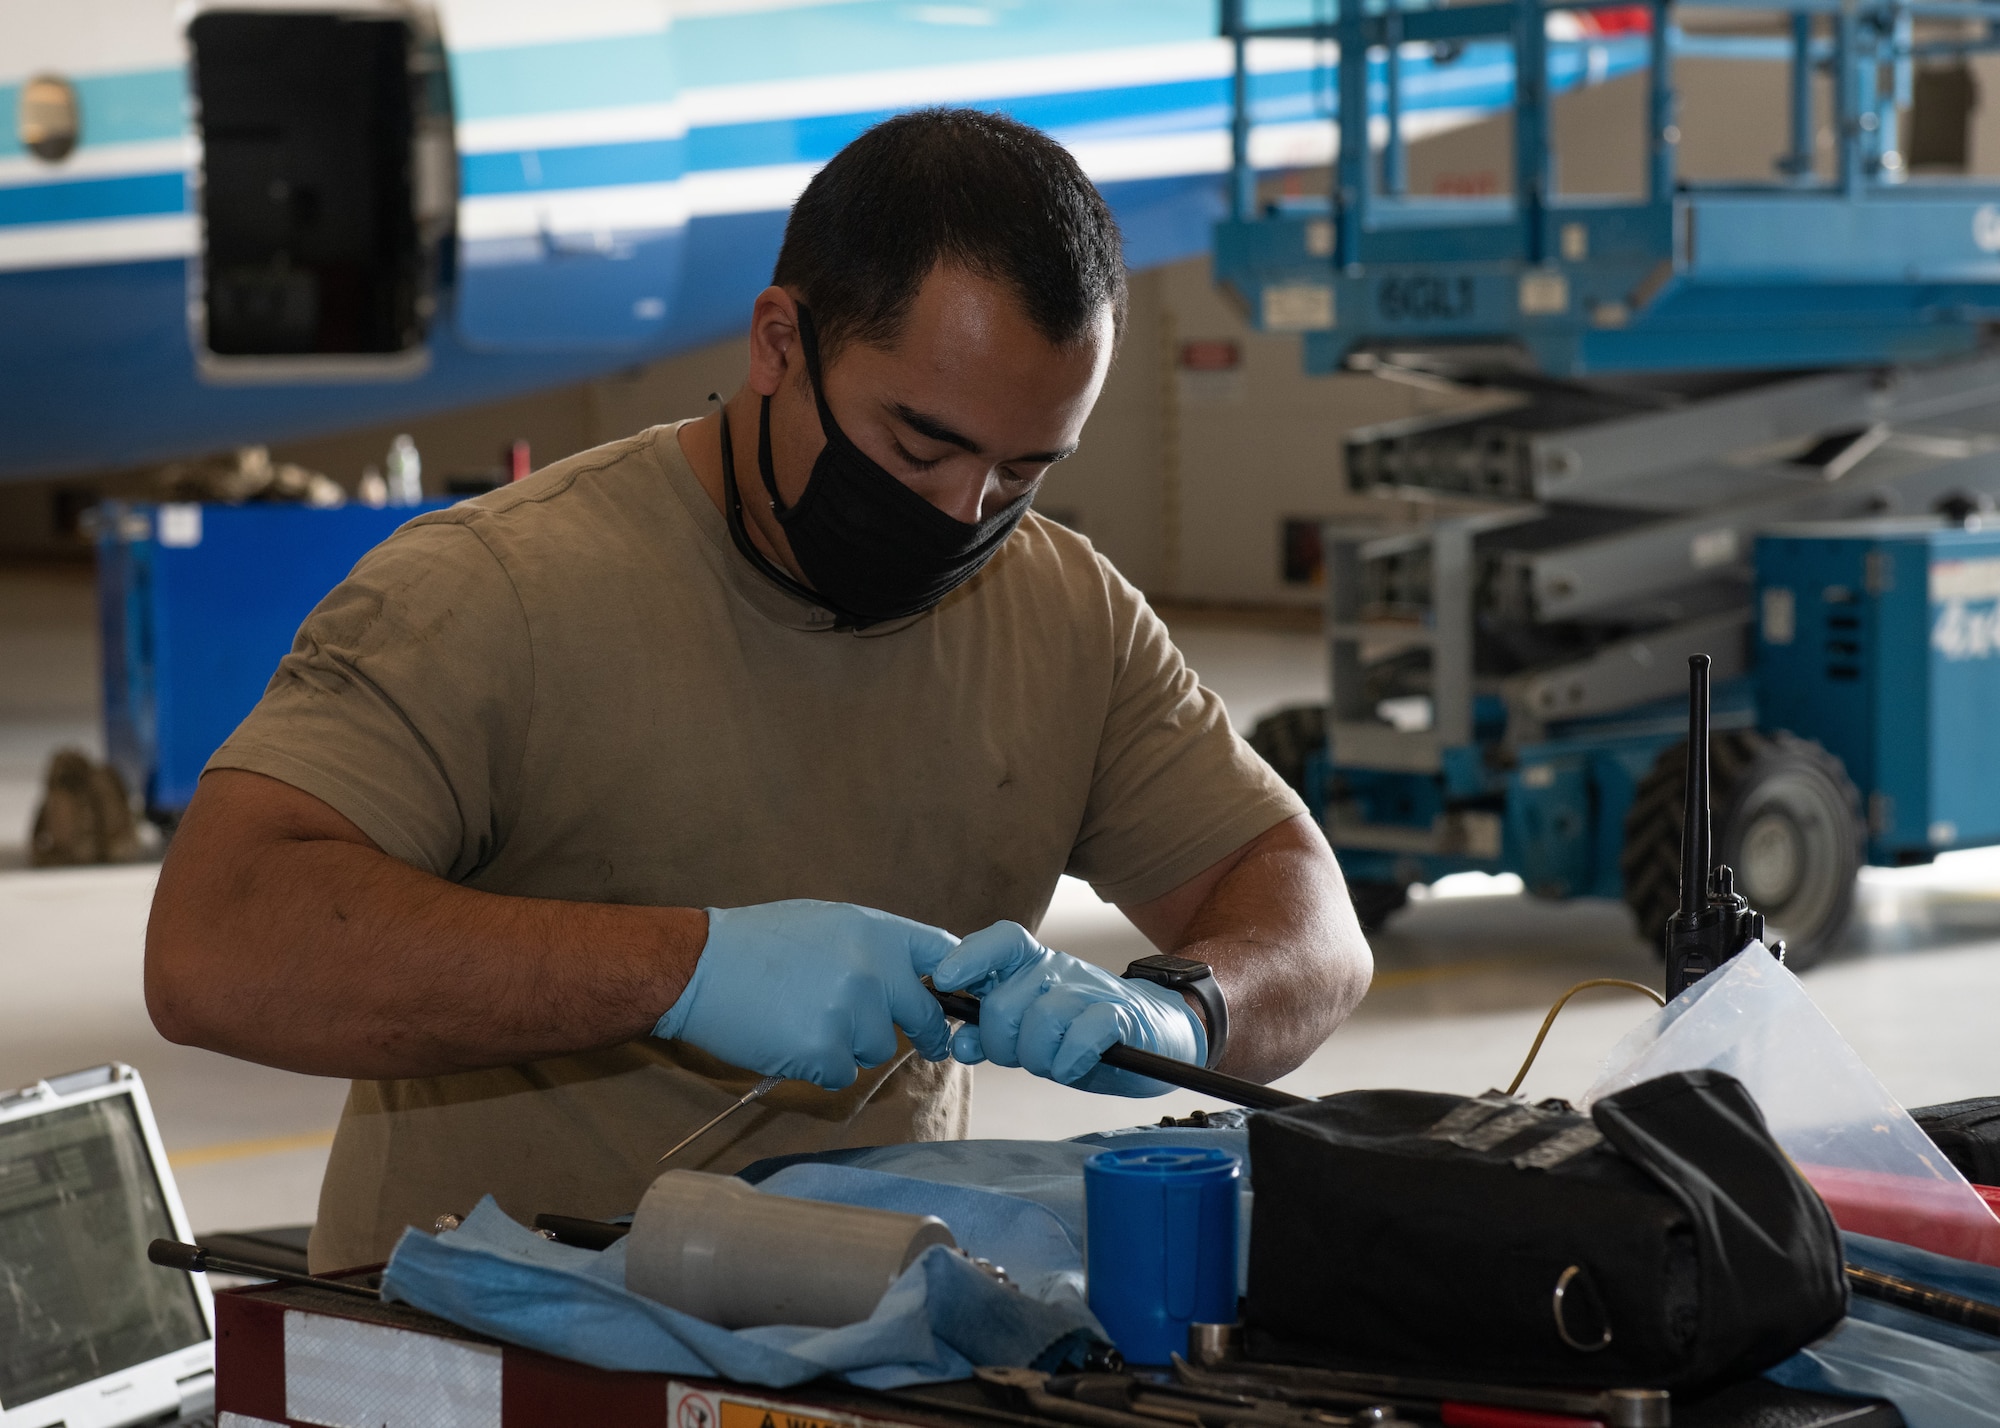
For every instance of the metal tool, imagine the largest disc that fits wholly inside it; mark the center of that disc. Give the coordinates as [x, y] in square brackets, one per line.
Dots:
[173, 1254]
[1234, 1089]
[741, 1101]
[1924, 1299]
[1118, 1400]
[1613, 1407]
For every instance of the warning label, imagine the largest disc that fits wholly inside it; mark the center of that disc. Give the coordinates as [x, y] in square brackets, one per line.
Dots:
[690, 1407]
[757, 1415]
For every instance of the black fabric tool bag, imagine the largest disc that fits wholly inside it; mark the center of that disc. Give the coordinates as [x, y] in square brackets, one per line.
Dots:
[1968, 1132]
[1664, 1241]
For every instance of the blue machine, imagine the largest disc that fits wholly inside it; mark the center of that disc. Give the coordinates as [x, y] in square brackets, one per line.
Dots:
[1883, 639]
[1862, 266]
[198, 603]
[1753, 420]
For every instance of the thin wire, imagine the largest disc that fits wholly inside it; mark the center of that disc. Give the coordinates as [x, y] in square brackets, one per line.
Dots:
[1563, 1001]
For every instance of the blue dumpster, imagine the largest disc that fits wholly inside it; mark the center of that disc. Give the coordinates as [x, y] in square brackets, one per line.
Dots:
[198, 603]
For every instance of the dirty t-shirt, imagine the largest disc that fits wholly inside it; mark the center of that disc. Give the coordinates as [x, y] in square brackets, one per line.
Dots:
[577, 688]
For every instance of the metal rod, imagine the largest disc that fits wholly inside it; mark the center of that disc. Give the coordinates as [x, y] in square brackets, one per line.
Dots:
[1695, 851]
[1799, 163]
[1395, 166]
[1922, 1299]
[768, 1083]
[1224, 1087]
[1242, 177]
[1351, 181]
[173, 1254]
[1662, 138]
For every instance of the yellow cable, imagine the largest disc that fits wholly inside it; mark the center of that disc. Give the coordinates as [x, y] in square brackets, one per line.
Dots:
[1563, 1001]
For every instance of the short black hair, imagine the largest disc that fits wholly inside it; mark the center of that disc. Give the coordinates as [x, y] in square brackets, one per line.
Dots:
[960, 186]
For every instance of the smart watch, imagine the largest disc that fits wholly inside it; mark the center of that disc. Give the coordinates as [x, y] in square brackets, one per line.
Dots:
[1184, 974]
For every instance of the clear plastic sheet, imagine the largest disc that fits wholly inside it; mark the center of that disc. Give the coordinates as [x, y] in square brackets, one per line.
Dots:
[1877, 1172]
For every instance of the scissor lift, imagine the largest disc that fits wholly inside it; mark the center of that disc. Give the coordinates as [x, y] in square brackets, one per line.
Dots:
[1682, 368]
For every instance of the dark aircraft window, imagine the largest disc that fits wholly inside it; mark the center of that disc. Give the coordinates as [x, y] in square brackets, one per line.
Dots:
[308, 126]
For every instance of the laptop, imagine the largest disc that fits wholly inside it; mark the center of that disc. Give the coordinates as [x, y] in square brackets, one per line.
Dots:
[92, 1334]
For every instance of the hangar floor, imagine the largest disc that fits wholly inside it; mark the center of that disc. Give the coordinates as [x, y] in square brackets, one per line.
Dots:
[1462, 977]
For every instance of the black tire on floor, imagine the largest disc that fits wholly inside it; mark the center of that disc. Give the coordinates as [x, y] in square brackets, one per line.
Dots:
[1284, 740]
[1786, 817]
[1376, 903]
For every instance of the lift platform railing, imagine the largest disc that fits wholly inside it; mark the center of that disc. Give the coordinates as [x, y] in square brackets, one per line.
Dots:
[1868, 51]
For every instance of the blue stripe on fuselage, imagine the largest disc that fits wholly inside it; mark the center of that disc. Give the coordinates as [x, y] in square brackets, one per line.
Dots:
[84, 200]
[812, 42]
[585, 166]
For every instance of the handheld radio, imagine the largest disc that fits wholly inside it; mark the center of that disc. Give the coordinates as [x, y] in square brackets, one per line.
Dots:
[1714, 922]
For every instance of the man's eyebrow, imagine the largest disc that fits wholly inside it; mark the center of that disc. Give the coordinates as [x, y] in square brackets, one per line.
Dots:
[927, 425]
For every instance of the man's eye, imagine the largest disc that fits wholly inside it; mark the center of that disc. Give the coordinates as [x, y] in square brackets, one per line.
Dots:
[917, 463]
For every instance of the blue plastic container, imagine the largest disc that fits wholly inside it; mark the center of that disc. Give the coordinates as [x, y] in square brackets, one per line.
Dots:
[1160, 1243]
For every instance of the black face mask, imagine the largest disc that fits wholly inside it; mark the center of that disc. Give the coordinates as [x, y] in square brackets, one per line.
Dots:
[873, 549]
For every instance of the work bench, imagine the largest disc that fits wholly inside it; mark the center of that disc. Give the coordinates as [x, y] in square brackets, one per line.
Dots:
[305, 1357]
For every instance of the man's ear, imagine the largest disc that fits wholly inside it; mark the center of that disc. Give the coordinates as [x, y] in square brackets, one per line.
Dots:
[774, 340]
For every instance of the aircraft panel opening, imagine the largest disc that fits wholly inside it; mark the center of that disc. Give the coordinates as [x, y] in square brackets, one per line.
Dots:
[312, 244]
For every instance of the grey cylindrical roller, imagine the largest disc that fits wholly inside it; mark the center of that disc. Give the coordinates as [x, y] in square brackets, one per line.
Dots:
[713, 1247]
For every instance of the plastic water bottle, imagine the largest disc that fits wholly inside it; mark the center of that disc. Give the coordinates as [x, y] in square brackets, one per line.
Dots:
[406, 472]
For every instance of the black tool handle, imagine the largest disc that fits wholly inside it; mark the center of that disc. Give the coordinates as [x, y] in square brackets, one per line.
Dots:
[172, 1254]
[1234, 1089]
[581, 1233]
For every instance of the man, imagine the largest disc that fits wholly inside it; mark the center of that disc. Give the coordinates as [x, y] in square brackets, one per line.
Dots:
[579, 806]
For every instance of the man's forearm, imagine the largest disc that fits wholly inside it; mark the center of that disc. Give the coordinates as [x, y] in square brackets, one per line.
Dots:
[1280, 933]
[322, 954]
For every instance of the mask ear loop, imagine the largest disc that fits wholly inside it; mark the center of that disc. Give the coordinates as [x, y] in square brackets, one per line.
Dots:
[732, 509]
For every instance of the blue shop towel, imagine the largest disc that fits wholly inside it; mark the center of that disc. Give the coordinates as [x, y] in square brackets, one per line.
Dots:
[1937, 1374]
[939, 1318]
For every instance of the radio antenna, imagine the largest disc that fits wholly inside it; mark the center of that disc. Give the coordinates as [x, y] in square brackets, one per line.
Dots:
[1715, 922]
[1697, 848]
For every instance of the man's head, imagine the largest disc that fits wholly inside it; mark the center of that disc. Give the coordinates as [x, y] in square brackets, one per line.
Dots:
[966, 286]
[954, 188]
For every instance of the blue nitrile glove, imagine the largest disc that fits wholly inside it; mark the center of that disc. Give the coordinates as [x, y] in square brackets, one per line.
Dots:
[1055, 1014]
[812, 991]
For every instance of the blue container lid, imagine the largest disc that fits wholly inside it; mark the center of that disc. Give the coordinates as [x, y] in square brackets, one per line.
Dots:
[1162, 1162]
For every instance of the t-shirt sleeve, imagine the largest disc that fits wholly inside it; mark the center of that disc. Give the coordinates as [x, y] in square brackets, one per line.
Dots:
[1175, 789]
[405, 701]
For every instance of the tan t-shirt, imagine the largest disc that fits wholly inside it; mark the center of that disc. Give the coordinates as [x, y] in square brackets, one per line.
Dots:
[577, 688]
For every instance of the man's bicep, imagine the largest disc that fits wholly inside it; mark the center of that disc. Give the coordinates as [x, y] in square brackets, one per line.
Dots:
[1165, 920]
[1174, 790]
[404, 702]
[251, 807]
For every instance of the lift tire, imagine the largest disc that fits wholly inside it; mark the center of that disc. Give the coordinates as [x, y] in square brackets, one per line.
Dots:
[1285, 739]
[1375, 903]
[1785, 816]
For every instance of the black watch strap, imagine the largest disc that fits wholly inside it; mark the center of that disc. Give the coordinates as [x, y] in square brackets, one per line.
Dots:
[1184, 974]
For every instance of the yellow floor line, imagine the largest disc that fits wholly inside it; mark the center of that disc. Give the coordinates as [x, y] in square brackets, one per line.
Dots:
[247, 1149]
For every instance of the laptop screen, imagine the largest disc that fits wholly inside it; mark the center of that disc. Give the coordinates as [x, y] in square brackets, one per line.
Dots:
[79, 1203]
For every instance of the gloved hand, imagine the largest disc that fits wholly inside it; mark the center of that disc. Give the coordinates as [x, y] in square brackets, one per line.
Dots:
[811, 990]
[1055, 1014]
